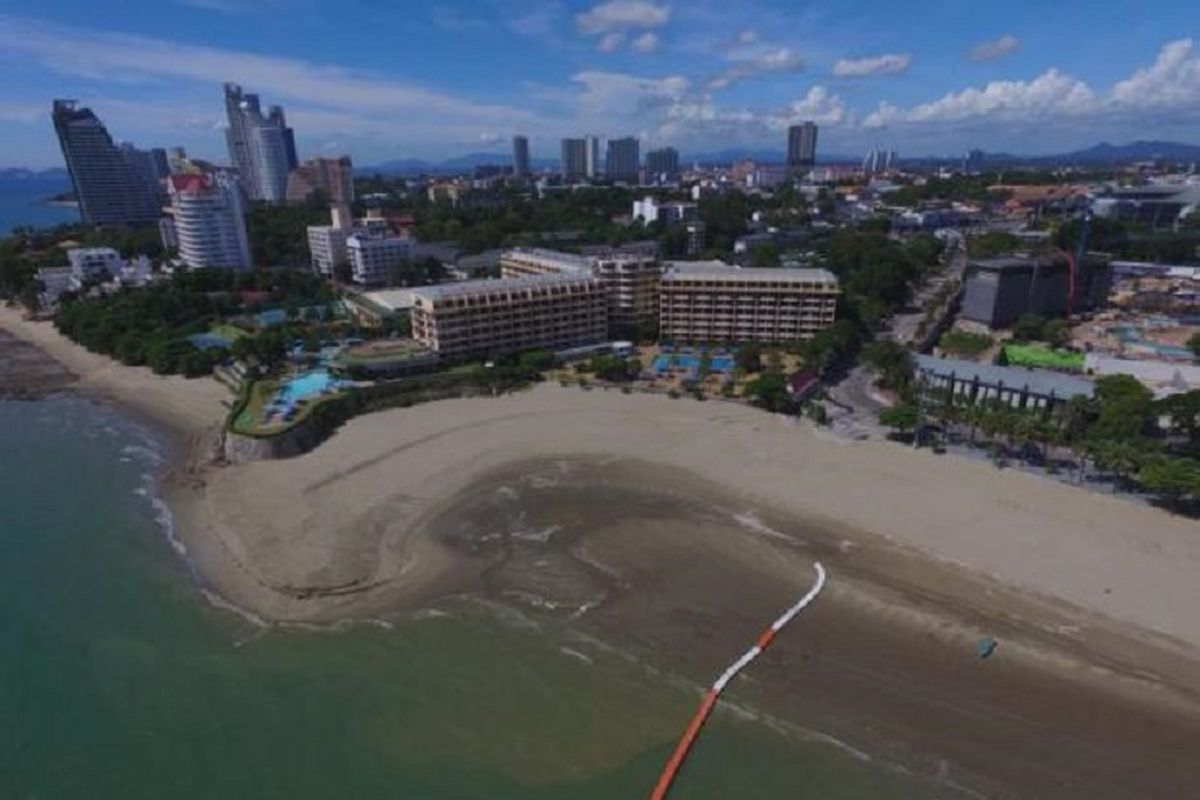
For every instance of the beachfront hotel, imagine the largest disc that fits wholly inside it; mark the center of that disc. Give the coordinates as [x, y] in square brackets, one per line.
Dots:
[711, 301]
[630, 280]
[494, 317]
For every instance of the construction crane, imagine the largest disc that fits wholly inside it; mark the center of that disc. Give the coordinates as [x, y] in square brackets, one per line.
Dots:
[1075, 260]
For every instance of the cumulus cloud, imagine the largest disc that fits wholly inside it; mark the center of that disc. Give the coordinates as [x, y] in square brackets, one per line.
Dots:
[886, 64]
[610, 42]
[646, 43]
[1050, 94]
[748, 36]
[819, 106]
[1173, 80]
[994, 48]
[750, 61]
[622, 15]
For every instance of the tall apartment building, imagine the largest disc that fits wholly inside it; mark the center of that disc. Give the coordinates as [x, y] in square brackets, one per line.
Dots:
[209, 221]
[376, 260]
[573, 162]
[662, 164]
[624, 159]
[672, 212]
[591, 157]
[715, 302]
[112, 188]
[495, 317]
[802, 146]
[630, 280]
[520, 145]
[261, 147]
[333, 176]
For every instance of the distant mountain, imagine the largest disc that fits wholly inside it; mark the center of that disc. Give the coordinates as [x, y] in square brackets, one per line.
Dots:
[466, 163]
[1135, 151]
[45, 175]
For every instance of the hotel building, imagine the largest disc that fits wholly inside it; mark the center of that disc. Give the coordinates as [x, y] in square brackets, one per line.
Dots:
[712, 301]
[376, 260]
[209, 221]
[494, 317]
[630, 280]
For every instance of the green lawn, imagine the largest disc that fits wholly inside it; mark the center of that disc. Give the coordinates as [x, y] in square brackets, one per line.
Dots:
[1032, 355]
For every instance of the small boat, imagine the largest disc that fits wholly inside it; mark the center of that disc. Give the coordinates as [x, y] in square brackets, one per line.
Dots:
[985, 647]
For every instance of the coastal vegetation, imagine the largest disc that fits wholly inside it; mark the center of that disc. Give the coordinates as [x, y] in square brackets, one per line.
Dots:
[1115, 435]
[151, 326]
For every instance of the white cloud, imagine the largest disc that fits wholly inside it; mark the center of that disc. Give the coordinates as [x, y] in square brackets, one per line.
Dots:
[107, 56]
[610, 42]
[1173, 80]
[753, 60]
[994, 48]
[1050, 94]
[818, 105]
[646, 43]
[887, 64]
[622, 15]
[748, 36]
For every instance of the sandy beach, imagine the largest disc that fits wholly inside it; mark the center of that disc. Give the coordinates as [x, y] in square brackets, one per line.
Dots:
[674, 529]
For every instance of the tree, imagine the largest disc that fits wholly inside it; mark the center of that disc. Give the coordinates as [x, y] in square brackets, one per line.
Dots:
[749, 359]
[1194, 343]
[1175, 479]
[1183, 414]
[1125, 409]
[893, 362]
[902, 416]
[770, 391]
[1056, 333]
[1029, 328]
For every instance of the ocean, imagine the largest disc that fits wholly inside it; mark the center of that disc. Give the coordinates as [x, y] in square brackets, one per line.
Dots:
[23, 203]
[121, 677]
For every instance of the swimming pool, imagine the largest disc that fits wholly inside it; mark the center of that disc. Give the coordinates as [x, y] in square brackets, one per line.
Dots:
[302, 387]
[691, 362]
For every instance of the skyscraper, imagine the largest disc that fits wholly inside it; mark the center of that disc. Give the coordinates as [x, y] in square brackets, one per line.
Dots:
[209, 221]
[573, 164]
[333, 176]
[261, 148]
[520, 146]
[623, 159]
[663, 163]
[591, 166]
[111, 188]
[802, 146]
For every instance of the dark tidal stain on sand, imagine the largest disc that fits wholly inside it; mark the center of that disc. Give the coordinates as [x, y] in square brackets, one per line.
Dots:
[682, 573]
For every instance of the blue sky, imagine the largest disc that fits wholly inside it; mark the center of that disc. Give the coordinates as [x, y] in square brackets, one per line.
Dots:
[386, 79]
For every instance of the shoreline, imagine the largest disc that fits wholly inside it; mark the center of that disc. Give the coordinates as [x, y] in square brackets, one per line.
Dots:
[1090, 596]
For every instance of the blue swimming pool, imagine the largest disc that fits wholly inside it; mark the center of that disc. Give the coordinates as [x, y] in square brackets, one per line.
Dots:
[302, 387]
[691, 362]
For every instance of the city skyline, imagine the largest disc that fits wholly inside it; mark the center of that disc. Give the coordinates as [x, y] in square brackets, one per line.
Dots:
[698, 77]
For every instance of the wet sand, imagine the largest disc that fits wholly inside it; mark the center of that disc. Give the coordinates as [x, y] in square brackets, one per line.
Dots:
[675, 530]
[671, 567]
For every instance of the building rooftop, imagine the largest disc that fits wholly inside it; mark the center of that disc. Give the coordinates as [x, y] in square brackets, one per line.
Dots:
[391, 299]
[1038, 381]
[720, 271]
[463, 288]
[558, 260]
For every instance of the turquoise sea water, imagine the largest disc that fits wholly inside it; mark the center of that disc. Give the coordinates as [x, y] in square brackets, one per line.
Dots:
[119, 679]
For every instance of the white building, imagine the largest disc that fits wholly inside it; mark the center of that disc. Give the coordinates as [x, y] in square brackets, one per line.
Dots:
[91, 263]
[374, 260]
[210, 224]
[650, 211]
[327, 243]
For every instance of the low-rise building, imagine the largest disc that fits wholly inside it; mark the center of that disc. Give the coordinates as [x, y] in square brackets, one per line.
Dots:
[376, 260]
[672, 212]
[94, 263]
[712, 301]
[986, 383]
[494, 317]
